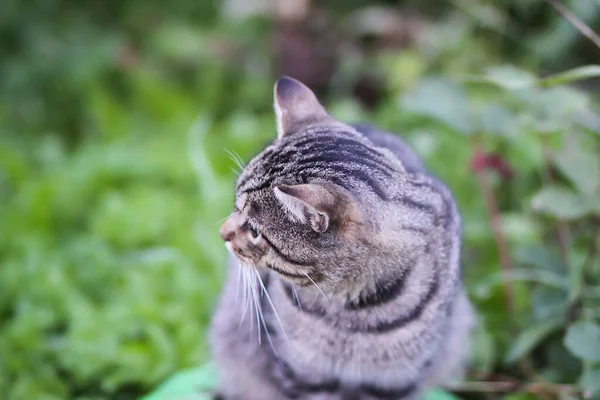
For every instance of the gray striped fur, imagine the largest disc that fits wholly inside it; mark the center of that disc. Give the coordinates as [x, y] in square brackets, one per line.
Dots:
[351, 210]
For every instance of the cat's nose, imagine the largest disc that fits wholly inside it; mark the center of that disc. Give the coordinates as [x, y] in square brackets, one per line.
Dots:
[226, 232]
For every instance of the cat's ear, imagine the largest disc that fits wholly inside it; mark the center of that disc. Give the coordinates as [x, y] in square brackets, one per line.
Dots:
[318, 205]
[306, 204]
[295, 105]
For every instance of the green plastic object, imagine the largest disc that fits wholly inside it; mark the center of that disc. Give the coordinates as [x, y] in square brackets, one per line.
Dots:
[198, 384]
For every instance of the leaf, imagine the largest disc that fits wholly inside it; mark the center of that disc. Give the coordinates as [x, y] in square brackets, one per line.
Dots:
[541, 257]
[436, 394]
[530, 338]
[484, 350]
[558, 104]
[590, 381]
[187, 385]
[581, 166]
[442, 100]
[548, 302]
[494, 118]
[583, 341]
[548, 278]
[561, 203]
[510, 77]
[571, 76]
[576, 280]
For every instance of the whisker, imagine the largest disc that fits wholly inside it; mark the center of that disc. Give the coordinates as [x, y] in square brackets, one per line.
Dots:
[237, 283]
[271, 303]
[240, 159]
[295, 293]
[264, 324]
[223, 219]
[250, 297]
[256, 304]
[235, 157]
[241, 162]
[317, 286]
[245, 287]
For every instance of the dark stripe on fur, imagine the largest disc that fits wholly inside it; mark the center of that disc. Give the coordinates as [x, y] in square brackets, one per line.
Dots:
[286, 379]
[384, 293]
[412, 316]
[346, 156]
[389, 393]
[382, 327]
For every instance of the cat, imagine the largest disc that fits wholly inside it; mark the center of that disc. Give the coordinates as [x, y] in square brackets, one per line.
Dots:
[348, 253]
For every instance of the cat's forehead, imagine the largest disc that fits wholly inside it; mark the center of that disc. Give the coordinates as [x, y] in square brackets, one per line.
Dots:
[241, 201]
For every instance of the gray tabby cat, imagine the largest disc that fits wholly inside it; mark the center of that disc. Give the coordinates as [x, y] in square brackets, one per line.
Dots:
[357, 251]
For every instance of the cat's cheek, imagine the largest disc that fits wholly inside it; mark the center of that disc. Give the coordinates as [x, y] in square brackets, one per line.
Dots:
[229, 248]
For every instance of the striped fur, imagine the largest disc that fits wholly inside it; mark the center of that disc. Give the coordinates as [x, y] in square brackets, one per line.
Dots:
[369, 307]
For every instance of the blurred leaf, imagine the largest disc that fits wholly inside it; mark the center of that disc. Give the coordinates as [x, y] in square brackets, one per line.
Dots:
[581, 166]
[520, 396]
[495, 118]
[552, 109]
[484, 350]
[548, 302]
[548, 278]
[583, 340]
[193, 384]
[576, 280]
[561, 203]
[438, 395]
[528, 339]
[572, 75]
[441, 100]
[590, 381]
[510, 77]
[542, 258]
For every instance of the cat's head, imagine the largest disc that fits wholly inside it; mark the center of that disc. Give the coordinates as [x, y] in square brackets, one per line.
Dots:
[313, 204]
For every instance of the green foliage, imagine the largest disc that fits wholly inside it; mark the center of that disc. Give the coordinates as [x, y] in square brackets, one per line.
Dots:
[116, 124]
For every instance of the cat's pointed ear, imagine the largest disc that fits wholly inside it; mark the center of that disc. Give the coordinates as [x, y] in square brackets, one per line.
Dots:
[295, 104]
[319, 205]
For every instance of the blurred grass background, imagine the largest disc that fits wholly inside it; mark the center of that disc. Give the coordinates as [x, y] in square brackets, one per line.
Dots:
[116, 123]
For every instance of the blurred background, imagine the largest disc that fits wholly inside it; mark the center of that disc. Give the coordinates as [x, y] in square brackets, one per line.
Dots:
[120, 122]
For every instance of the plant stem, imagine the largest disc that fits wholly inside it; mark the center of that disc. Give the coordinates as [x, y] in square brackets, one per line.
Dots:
[581, 26]
[593, 249]
[496, 225]
[562, 229]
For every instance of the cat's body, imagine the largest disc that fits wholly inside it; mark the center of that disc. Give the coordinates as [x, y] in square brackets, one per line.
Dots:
[352, 210]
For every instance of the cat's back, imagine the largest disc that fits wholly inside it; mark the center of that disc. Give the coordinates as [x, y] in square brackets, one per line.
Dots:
[409, 158]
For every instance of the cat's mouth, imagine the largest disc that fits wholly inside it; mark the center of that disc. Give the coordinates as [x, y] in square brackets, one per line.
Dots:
[246, 261]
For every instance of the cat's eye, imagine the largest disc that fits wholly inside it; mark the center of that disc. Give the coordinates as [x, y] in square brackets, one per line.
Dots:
[248, 227]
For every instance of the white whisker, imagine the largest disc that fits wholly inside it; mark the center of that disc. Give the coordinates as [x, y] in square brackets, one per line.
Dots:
[317, 286]
[245, 293]
[223, 219]
[271, 303]
[235, 157]
[256, 304]
[295, 293]
[239, 159]
[264, 324]
[237, 283]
